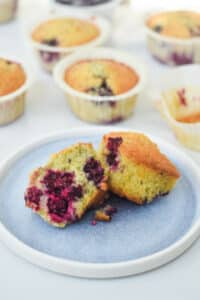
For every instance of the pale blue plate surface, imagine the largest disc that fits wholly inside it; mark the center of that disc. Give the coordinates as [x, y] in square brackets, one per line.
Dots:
[135, 231]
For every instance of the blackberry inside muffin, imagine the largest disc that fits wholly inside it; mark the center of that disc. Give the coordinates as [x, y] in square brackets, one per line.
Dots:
[71, 182]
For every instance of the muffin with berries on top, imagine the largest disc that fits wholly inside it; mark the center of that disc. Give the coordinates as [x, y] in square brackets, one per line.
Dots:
[13, 84]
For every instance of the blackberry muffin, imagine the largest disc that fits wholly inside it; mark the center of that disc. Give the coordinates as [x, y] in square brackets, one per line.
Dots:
[13, 85]
[137, 170]
[65, 32]
[12, 76]
[101, 87]
[101, 77]
[177, 24]
[67, 186]
[56, 38]
[173, 37]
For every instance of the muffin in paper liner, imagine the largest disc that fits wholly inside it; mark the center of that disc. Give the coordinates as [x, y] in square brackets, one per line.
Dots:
[187, 133]
[12, 105]
[171, 50]
[49, 55]
[7, 10]
[101, 109]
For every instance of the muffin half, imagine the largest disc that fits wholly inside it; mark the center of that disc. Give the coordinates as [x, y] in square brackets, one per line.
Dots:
[137, 170]
[69, 184]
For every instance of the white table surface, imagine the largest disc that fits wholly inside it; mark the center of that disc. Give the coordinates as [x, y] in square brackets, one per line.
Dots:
[47, 112]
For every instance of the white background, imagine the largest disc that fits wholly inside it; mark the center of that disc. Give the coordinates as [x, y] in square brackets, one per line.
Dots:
[47, 112]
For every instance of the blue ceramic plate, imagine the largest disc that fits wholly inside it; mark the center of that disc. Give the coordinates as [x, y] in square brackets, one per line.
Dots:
[139, 238]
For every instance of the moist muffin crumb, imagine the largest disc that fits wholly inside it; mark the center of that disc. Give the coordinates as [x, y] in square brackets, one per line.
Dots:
[69, 184]
[101, 77]
[12, 76]
[105, 213]
[65, 32]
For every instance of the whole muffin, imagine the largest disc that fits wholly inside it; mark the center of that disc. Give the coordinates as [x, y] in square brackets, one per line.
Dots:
[101, 77]
[69, 184]
[65, 32]
[137, 170]
[177, 24]
[12, 76]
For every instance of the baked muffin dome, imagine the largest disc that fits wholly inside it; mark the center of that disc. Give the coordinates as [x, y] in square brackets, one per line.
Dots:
[12, 76]
[65, 32]
[69, 184]
[178, 24]
[137, 170]
[101, 77]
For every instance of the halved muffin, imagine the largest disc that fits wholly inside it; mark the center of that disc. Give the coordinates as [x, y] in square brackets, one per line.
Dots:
[70, 183]
[136, 168]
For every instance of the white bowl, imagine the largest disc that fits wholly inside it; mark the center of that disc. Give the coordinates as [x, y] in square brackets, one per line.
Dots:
[98, 109]
[104, 9]
[48, 56]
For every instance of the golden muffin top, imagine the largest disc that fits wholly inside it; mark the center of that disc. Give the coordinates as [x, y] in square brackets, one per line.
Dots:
[139, 148]
[101, 77]
[184, 104]
[12, 76]
[65, 32]
[178, 24]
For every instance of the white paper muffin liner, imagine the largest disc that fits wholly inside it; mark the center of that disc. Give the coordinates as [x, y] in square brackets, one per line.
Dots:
[7, 9]
[171, 50]
[49, 56]
[12, 105]
[187, 133]
[98, 109]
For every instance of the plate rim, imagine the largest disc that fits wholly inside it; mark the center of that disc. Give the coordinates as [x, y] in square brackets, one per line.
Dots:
[96, 270]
